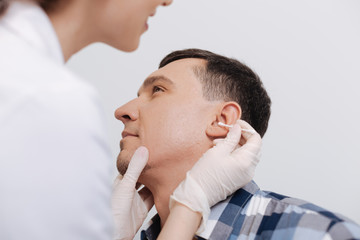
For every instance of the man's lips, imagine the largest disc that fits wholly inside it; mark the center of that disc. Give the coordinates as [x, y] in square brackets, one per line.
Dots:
[125, 134]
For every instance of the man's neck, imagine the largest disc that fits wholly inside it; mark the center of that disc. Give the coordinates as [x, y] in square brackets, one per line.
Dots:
[162, 187]
[161, 200]
[163, 179]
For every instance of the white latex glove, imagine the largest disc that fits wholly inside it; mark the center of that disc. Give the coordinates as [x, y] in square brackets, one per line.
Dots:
[221, 171]
[129, 206]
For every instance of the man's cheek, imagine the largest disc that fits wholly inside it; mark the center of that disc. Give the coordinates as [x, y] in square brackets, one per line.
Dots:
[158, 148]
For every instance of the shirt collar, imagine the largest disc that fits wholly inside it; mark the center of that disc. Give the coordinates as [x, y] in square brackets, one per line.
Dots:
[152, 229]
[242, 197]
[29, 21]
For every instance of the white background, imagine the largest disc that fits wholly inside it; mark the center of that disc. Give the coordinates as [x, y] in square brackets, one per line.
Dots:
[308, 55]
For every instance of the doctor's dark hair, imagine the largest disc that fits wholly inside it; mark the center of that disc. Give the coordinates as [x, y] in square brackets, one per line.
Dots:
[48, 4]
[45, 4]
[228, 79]
[3, 6]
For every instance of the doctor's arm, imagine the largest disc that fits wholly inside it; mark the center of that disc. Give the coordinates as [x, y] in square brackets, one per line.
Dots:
[182, 223]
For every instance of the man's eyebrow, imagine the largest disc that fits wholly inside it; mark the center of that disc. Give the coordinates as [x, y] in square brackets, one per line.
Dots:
[150, 80]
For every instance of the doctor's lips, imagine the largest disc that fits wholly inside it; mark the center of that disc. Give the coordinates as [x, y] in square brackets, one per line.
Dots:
[146, 24]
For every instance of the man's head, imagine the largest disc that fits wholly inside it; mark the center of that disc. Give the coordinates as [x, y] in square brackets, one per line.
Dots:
[178, 107]
[227, 79]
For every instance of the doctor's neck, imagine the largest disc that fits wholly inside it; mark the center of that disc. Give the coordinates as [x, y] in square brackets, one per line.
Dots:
[73, 25]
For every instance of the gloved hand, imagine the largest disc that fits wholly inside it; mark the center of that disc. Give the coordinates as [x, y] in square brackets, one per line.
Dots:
[129, 206]
[220, 171]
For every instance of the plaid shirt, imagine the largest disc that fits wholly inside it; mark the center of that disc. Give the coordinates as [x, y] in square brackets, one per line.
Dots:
[254, 214]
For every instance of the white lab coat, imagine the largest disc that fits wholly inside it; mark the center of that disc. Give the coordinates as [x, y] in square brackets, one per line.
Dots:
[55, 162]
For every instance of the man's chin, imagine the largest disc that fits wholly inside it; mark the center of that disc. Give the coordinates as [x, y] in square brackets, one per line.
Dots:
[122, 162]
[122, 168]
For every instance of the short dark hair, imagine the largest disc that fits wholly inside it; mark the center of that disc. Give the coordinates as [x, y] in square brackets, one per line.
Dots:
[228, 79]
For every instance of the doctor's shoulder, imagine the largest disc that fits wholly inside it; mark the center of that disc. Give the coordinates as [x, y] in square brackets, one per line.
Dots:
[26, 69]
[28, 77]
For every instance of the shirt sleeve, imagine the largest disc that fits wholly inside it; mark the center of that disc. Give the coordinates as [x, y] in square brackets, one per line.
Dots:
[55, 163]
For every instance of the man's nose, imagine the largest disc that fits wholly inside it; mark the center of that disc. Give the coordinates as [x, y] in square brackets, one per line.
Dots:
[127, 112]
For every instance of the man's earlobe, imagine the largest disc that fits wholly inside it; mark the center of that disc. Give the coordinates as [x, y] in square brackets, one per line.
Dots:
[229, 113]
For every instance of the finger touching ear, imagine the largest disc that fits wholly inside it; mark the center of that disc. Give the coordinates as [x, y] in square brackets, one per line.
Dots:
[228, 113]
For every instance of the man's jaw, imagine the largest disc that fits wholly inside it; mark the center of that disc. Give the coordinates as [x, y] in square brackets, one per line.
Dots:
[121, 164]
[124, 158]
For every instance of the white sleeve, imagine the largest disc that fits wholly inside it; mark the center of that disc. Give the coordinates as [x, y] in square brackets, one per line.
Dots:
[55, 163]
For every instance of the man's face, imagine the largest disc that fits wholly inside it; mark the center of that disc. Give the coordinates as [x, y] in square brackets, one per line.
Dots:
[169, 117]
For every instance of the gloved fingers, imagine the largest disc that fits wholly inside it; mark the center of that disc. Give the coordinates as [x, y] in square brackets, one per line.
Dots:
[136, 165]
[248, 130]
[231, 141]
[249, 138]
[247, 155]
[147, 197]
[117, 189]
[116, 192]
[253, 144]
[250, 149]
[251, 153]
[118, 179]
[242, 140]
[218, 140]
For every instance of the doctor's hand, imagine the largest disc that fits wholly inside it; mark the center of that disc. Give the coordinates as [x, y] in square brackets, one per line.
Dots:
[129, 206]
[221, 171]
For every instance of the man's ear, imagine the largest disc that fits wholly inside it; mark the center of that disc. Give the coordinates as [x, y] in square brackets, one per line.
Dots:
[228, 113]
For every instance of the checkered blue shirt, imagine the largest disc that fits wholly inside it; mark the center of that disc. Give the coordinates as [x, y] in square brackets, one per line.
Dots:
[254, 214]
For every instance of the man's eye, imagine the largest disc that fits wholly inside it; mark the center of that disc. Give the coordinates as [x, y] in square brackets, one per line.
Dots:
[157, 89]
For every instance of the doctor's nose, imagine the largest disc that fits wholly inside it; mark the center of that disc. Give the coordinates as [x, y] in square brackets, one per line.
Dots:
[127, 112]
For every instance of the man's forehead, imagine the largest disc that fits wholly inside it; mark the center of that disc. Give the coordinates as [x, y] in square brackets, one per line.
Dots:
[181, 65]
[175, 72]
